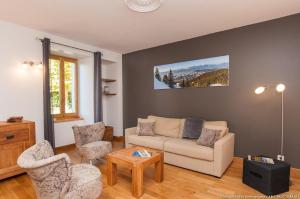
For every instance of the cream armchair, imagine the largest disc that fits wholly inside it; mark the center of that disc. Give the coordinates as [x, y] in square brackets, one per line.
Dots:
[89, 142]
[54, 176]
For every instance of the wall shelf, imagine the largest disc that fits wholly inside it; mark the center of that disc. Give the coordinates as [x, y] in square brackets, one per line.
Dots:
[108, 80]
[109, 94]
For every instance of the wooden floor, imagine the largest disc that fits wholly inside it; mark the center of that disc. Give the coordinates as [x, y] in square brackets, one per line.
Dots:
[178, 183]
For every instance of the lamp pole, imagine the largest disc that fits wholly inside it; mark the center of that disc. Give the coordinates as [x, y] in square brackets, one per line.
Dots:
[280, 89]
[281, 157]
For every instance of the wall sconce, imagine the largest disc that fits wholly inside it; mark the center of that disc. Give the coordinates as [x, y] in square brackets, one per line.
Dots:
[27, 64]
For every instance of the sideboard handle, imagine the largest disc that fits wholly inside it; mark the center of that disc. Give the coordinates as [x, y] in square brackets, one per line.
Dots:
[10, 136]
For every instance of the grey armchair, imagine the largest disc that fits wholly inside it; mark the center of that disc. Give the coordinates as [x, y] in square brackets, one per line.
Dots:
[54, 176]
[89, 142]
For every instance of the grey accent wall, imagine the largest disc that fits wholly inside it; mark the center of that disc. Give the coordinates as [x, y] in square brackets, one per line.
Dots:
[260, 54]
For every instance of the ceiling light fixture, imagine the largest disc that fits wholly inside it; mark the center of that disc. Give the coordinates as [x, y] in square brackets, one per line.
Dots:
[143, 5]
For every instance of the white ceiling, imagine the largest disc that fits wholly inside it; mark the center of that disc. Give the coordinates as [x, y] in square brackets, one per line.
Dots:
[110, 24]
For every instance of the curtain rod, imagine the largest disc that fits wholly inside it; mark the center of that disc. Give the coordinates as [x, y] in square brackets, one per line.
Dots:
[67, 46]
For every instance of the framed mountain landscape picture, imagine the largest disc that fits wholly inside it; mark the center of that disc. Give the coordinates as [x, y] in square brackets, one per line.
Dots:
[199, 73]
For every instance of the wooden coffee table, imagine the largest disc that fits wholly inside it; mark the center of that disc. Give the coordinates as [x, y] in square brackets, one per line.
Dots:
[124, 158]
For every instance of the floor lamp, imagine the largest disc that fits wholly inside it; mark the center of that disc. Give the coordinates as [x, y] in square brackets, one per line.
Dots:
[280, 88]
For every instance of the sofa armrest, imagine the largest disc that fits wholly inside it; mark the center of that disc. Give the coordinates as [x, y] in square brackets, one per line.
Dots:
[129, 131]
[223, 154]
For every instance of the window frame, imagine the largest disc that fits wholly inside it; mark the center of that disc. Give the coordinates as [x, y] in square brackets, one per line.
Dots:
[63, 116]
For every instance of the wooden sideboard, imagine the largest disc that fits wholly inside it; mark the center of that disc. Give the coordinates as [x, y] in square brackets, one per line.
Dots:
[14, 139]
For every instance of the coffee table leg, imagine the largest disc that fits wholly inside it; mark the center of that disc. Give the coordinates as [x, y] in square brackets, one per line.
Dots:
[137, 181]
[159, 170]
[111, 172]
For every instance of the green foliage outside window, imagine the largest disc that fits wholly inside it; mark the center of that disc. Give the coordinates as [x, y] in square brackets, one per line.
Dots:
[55, 86]
[68, 84]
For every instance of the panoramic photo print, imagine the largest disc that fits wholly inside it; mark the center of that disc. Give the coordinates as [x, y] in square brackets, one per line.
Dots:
[200, 73]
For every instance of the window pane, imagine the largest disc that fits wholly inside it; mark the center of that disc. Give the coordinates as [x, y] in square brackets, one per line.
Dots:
[70, 86]
[55, 86]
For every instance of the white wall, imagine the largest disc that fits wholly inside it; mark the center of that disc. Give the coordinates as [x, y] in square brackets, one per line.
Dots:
[21, 91]
[86, 89]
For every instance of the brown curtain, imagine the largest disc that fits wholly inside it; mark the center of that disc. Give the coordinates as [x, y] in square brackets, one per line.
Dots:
[98, 115]
[48, 121]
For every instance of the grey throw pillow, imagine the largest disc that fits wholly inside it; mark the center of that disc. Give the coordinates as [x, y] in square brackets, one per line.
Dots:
[145, 129]
[192, 128]
[208, 137]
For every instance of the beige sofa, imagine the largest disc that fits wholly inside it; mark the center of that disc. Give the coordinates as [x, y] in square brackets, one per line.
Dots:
[184, 152]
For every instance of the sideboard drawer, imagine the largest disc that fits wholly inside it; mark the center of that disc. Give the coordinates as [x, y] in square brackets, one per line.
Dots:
[8, 137]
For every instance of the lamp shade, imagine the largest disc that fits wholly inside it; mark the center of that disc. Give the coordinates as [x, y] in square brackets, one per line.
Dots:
[260, 90]
[280, 88]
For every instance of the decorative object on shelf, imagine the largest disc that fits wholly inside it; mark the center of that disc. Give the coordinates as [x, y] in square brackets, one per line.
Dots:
[143, 5]
[269, 179]
[14, 119]
[27, 64]
[14, 139]
[200, 73]
[108, 134]
[280, 88]
[107, 89]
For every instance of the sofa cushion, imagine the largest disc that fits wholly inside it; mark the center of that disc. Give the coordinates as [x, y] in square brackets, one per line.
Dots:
[189, 148]
[214, 123]
[154, 142]
[224, 130]
[208, 137]
[169, 127]
[145, 127]
[192, 128]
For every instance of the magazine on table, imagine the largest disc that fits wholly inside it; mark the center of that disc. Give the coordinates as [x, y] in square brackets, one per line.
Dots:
[142, 154]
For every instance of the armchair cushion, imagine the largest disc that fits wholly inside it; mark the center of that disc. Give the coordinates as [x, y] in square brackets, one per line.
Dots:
[96, 150]
[85, 182]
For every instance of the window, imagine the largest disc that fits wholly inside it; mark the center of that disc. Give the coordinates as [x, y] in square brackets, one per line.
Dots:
[64, 88]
